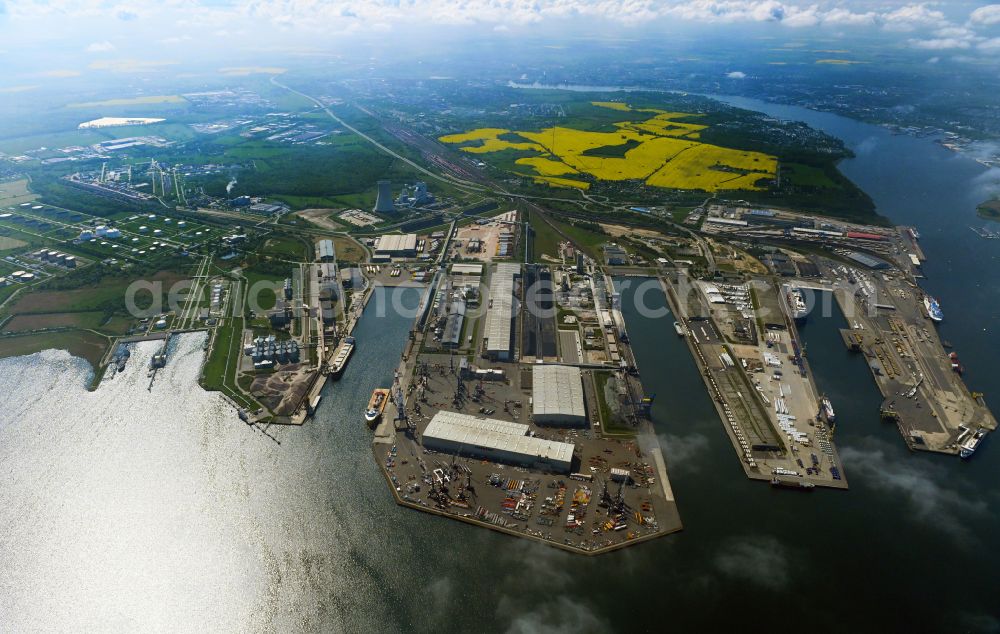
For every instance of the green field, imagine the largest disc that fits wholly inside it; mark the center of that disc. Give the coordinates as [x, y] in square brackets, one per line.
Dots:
[805, 176]
[545, 240]
[215, 369]
[265, 296]
[288, 248]
[79, 343]
[609, 425]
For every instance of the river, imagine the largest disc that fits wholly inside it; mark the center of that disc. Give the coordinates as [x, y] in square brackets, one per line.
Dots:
[159, 511]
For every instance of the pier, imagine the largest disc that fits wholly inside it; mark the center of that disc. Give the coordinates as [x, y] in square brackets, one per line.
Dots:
[921, 386]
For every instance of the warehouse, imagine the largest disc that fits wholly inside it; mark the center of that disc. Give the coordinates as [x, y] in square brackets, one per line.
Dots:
[472, 270]
[452, 335]
[868, 260]
[500, 314]
[324, 251]
[394, 245]
[557, 395]
[496, 440]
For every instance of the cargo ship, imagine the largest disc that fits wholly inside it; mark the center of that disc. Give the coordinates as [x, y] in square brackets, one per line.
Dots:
[376, 405]
[969, 441]
[826, 410]
[933, 308]
[340, 357]
[796, 303]
[679, 329]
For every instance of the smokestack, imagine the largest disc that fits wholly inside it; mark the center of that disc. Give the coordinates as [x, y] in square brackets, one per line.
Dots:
[383, 203]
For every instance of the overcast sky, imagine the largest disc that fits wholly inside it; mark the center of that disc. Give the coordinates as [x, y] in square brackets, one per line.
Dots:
[130, 36]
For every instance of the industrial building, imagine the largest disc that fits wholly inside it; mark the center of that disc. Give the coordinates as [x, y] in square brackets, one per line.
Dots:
[499, 317]
[452, 335]
[415, 196]
[496, 440]
[394, 245]
[614, 255]
[475, 270]
[324, 251]
[868, 260]
[557, 395]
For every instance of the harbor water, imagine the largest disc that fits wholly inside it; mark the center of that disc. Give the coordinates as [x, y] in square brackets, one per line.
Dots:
[123, 509]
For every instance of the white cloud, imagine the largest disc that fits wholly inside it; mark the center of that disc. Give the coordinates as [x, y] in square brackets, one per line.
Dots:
[912, 17]
[986, 16]
[684, 453]
[101, 47]
[990, 45]
[843, 17]
[313, 13]
[761, 560]
[202, 17]
[941, 43]
[736, 74]
[919, 483]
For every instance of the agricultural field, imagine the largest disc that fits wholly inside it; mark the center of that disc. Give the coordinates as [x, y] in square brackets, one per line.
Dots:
[659, 147]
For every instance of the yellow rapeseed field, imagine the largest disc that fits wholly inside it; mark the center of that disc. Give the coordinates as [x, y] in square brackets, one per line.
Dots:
[665, 153]
[553, 181]
[490, 142]
[711, 168]
[546, 166]
[614, 105]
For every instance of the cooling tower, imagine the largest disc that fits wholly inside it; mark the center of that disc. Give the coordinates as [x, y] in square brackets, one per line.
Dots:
[383, 203]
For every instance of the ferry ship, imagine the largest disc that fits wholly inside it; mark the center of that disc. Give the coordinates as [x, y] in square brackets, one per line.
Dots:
[796, 303]
[679, 329]
[340, 357]
[971, 441]
[826, 409]
[792, 483]
[376, 405]
[933, 308]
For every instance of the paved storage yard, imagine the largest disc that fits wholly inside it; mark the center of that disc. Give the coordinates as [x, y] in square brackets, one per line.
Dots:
[614, 493]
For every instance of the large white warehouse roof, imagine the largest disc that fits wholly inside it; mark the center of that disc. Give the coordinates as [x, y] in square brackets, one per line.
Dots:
[557, 394]
[397, 243]
[496, 439]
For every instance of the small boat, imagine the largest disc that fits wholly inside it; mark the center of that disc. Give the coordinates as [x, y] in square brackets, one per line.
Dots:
[679, 329]
[376, 405]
